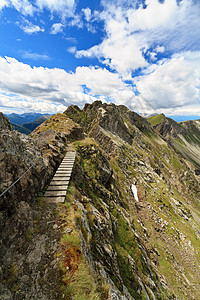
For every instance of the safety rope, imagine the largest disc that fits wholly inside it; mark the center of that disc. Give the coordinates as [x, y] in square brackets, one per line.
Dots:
[19, 177]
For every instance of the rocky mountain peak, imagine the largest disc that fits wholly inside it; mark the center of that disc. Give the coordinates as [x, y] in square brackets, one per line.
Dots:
[4, 123]
[118, 120]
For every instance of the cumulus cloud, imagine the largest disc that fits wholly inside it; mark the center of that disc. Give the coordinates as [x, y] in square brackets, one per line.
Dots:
[87, 13]
[171, 87]
[12, 102]
[56, 28]
[23, 6]
[65, 8]
[131, 30]
[3, 4]
[173, 84]
[30, 28]
[56, 86]
[100, 81]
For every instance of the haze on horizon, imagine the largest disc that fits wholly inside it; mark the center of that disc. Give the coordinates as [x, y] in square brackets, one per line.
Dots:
[143, 54]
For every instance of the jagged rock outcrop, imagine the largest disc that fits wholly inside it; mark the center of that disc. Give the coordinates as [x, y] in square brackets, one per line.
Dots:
[166, 126]
[4, 122]
[183, 136]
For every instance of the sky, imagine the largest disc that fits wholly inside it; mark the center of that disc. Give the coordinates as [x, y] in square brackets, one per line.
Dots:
[144, 54]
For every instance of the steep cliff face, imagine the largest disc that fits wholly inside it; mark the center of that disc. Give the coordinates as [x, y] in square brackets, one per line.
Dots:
[130, 226]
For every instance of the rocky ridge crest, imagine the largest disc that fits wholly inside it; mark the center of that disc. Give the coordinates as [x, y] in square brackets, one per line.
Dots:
[144, 247]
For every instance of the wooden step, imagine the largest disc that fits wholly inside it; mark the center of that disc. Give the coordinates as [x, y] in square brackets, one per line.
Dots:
[69, 159]
[65, 169]
[55, 193]
[66, 165]
[57, 188]
[63, 173]
[59, 182]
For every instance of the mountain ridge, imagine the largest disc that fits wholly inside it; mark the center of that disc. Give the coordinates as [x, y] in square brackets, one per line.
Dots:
[136, 248]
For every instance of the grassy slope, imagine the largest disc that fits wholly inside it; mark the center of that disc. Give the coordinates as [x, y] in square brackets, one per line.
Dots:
[21, 128]
[167, 216]
[154, 120]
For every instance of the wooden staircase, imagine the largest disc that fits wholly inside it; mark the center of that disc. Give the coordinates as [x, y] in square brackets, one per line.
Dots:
[57, 189]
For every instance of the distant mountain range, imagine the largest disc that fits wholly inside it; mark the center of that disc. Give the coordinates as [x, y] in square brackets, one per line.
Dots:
[21, 119]
[27, 122]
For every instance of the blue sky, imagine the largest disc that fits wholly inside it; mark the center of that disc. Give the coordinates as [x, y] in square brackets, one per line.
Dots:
[143, 54]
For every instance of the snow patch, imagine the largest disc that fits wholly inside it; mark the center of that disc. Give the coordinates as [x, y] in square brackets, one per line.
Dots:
[134, 190]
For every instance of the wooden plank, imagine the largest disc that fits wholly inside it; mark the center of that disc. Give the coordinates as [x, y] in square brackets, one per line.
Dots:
[69, 159]
[65, 166]
[67, 173]
[59, 182]
[55, 193]
[63, 173]
[60, 199]
[64, 170]
[61, 176]
[58, 188]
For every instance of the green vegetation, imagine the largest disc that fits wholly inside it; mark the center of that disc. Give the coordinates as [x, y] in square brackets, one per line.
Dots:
[21, 128]
[81, 285]
[78, 280]
[58, 122]
[155, 120]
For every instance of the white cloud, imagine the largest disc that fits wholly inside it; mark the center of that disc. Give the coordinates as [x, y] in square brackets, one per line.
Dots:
[87, 13]
[23, 6]
[173, 84]
[35, 56]
[12, 102]
[171, 87]
[65, 8]
[100, 81]
[160, 49]
[71, 49]
[3, 4]
[56, 86]
[130, 31]
[30, 28]
[56, 28]
[71, 39]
